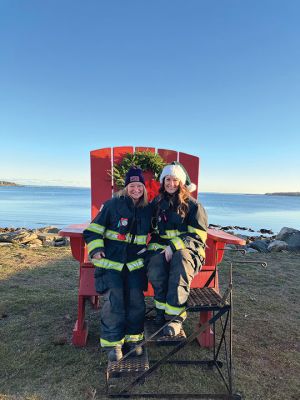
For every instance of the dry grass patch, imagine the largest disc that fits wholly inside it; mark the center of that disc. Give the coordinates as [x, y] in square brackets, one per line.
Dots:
[38, 309]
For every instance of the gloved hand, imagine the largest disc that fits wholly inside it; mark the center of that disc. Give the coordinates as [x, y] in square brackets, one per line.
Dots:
[168, 253]
[99, 255]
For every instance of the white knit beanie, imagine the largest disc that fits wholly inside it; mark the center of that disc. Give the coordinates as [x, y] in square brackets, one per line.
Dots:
[178, 171]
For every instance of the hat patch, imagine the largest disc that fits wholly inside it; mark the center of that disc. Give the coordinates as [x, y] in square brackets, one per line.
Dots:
[134, 179]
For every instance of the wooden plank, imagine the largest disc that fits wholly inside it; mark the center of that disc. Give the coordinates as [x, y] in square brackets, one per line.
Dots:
[118, 154]
[101, 181]
[167, 155]
[191, 164]
[151, 149]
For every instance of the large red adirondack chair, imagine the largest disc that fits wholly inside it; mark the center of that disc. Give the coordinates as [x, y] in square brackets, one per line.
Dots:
[102, 189]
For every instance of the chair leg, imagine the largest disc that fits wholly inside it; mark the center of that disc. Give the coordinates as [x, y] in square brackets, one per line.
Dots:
[206, 338]
[94, 302]
[80, 330]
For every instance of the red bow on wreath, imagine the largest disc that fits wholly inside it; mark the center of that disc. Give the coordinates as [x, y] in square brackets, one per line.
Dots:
[152, 187]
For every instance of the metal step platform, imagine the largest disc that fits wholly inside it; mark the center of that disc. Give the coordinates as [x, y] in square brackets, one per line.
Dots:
[160, 339]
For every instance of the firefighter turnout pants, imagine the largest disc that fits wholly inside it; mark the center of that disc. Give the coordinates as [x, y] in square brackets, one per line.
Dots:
[171, 282]
[123, 305]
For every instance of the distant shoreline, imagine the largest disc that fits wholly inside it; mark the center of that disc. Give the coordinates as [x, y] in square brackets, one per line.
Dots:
[283, 194]
[5, 183]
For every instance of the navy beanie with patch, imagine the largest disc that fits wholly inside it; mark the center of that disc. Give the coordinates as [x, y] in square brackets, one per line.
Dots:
[134, 175]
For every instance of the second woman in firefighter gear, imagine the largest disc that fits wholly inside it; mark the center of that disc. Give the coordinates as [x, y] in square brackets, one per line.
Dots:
[179, 232]
[116, 241]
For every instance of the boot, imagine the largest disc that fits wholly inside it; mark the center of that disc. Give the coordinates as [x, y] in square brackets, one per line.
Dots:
[114, 353]
[160, 317]
[172, 329]
[135, 345]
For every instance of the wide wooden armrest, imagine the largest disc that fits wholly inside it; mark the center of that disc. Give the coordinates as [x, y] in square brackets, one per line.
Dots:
[75, 230]
[220, 236]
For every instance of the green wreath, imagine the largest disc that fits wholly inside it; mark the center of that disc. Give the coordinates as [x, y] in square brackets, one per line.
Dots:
[145, 160]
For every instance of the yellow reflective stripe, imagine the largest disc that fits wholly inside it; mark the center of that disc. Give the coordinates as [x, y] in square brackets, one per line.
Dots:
[140, 239]
[171, 234]
[171, 310]
[96, 228]
[178, 243]
[94, 244]
[159, 305]
[107, 343]
[139, 263]
[156, 246]
[134, 338]
[199, 232]
[201, 252]
[113, 235]
[108, 264]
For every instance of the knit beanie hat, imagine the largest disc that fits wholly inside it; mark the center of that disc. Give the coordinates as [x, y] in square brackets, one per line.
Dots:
[134, 175]
[178, 171]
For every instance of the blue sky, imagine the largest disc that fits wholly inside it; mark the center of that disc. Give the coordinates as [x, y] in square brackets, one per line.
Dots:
[217, 78]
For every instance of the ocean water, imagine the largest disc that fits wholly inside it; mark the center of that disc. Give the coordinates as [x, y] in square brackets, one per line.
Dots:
[37, 206]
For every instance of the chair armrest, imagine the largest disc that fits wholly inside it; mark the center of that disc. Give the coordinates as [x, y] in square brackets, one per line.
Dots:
[75, 230]
[78, 246]
[224, 237]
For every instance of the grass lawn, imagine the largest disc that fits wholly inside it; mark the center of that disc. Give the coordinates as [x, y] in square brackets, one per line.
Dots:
[38, 309]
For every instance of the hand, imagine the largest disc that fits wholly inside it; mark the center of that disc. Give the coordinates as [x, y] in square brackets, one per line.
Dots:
[168, 253]
[99, 255]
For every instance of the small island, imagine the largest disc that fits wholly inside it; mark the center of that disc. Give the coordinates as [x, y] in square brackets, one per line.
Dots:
[5, 183]
[283, 194]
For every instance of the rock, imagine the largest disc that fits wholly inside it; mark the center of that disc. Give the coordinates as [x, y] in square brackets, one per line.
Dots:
[277, 245]
[35, 243]
[250, 250]
[268, 231]
[49, 229]
[4, 244]
[291, 237]
[259, 245]
[62, 241]
[21, 236]
[230, 246]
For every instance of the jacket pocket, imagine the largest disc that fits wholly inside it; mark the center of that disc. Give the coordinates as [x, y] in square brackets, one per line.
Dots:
[100, 281]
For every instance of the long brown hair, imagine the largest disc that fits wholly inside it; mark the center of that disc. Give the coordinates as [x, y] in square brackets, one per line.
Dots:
[181, 197]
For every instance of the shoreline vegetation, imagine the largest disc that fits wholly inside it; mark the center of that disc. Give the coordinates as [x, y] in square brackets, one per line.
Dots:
[5, 183]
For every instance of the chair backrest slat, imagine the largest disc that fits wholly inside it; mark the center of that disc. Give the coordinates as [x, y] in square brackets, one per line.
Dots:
[102, 161]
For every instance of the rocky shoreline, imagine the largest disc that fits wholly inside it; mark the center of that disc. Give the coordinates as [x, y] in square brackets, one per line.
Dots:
[288, 239]
[46, 236]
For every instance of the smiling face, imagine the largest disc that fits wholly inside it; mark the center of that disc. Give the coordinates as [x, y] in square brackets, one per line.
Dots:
[171, 184]
[135, 190]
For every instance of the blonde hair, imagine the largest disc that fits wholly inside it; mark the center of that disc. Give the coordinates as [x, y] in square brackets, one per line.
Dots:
[142, 202]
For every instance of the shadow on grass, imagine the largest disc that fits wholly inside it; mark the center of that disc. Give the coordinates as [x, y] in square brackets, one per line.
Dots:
[39, 307]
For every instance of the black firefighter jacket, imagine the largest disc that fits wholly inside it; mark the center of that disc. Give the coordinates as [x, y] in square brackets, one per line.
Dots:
[119, 230]
[169, 228]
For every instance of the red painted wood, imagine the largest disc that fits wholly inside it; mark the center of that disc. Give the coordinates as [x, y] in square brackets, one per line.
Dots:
[151, 149]
[167, 155]
[101, 186]
[118, 154]
[225, 237]
[191, 164]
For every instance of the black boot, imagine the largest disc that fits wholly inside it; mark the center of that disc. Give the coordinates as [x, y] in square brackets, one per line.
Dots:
[136, 346]
[114, 353]
[160, 317]
[173, 328]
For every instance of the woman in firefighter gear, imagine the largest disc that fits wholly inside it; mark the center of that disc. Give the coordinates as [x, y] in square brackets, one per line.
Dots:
[116, 241]
[177, 246]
